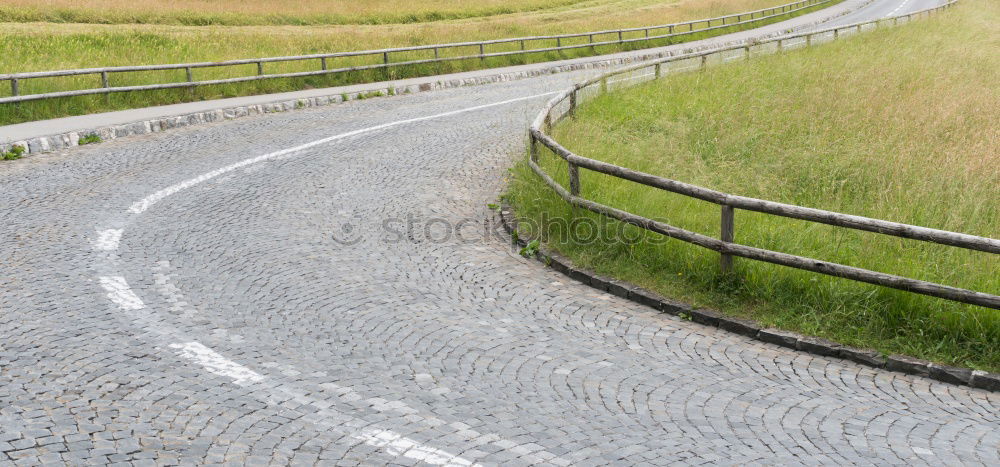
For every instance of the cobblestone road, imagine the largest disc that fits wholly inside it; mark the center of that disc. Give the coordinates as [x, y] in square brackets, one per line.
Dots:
[205, 296]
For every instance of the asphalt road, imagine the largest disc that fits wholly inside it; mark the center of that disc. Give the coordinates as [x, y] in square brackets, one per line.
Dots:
[319, 287]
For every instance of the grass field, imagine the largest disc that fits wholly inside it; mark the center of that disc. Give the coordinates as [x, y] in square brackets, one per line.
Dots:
[897, 124]
[36, 46]
[274, 12]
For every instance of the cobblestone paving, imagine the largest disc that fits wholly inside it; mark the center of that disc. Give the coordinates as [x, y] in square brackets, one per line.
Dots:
[265, 314]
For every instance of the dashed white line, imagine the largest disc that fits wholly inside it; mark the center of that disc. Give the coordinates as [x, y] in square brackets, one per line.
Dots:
[893, 12]
[107, 240]
[217, 364]
[398, 445]
[120, 293]
[393, 443]
[142, 205]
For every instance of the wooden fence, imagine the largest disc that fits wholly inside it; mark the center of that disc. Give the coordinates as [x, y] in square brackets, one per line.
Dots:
[565, 104]
[603, 38]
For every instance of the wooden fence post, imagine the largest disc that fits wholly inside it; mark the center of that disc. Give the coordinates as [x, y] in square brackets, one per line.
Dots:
[572, 103]
[105, 82]
[574, 179]
[657, 70]
[322, 63]
[14, 88]
[260, 68]
[533, 148]
[727, 235]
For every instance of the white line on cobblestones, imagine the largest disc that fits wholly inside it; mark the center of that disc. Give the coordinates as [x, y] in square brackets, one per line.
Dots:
[120, 293]
[399, 445]
[393, 443]
[142, 205]
[107, 240]
[217, 364]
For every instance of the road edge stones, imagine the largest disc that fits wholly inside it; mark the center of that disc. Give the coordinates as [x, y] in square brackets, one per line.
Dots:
[67, 140]
[708, 317]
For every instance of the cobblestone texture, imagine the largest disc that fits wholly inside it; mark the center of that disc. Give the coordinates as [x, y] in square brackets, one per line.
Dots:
[230, 323]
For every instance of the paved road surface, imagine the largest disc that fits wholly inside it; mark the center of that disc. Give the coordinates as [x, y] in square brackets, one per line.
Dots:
[207, 295]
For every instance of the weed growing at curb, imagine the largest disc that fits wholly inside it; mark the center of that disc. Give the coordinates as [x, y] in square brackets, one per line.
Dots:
[90, 139]
[14, 153]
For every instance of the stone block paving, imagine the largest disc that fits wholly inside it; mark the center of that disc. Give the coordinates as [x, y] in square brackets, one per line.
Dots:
[284, 314]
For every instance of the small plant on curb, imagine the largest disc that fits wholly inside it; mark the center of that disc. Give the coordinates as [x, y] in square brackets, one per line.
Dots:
[684, 316]
[90, 139]
[494, 207]
[514, 237]
[530, 249]
[14, 153]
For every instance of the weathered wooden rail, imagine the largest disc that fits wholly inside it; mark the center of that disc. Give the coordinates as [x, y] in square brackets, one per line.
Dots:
[617, 37]
[565, 104]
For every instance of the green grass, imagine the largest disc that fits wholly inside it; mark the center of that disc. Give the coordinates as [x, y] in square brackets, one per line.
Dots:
[13, 154]
[38, 47]
[897, 124]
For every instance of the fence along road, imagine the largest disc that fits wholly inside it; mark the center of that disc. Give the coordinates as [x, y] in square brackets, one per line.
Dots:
[224, 323]
[618, 36]
[565, 104]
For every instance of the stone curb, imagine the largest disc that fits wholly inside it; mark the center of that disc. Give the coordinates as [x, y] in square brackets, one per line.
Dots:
[813, 345]
[56, 142]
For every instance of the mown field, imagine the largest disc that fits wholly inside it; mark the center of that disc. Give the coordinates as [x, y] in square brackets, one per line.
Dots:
[897, 124]
[48, 43]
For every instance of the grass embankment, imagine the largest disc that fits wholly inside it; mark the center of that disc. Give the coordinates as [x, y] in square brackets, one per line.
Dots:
[48, 46]
[898, 124]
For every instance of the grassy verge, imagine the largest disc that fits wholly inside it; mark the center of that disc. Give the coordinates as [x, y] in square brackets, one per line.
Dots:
[39, 47]
[897, 124]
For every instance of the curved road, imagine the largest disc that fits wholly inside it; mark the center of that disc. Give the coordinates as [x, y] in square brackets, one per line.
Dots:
[291, 289]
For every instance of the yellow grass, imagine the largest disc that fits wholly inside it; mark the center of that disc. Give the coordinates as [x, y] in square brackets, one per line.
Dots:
[316, 12]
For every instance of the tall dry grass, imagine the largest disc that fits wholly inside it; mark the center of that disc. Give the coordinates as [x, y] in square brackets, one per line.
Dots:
[240, 12]
[897, 124]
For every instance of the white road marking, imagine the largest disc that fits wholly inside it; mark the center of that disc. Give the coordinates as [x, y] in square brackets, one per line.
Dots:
[120, 293]
[398, 445]
[217, 364]
[142, 205]
[893, 12]
[394, 443]
[107, 240]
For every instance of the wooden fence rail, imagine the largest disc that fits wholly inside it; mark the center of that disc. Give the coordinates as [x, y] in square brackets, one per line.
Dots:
[617, 37]
[553, 112]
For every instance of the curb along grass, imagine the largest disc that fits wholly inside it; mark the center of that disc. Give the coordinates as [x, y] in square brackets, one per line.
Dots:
[746, 327]
[824, 128]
